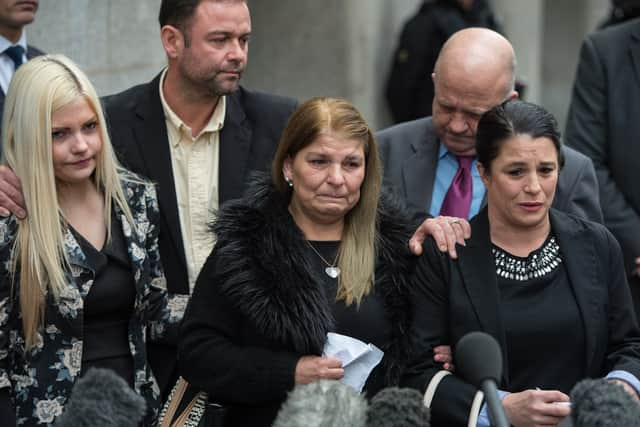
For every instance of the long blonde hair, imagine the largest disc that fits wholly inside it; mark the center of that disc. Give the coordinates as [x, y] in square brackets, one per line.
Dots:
[38, 89]
[358, 248]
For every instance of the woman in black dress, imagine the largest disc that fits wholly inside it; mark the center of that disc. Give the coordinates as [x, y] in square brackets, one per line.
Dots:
[312, 249]
[548, 286]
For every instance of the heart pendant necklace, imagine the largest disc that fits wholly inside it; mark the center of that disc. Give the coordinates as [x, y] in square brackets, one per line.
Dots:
[332, 270]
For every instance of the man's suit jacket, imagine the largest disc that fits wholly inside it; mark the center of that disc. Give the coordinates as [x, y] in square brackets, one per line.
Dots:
[32, 52]
[461, 296]
[409, 153]
[604, 124]
[253, 124]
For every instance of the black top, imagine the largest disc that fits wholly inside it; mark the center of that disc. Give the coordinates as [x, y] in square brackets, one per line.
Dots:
[108, 306]
[529, 286]
[365, 322]
[463, 295]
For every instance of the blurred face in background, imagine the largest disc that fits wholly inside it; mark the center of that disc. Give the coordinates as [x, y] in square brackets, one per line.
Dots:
[14, 15]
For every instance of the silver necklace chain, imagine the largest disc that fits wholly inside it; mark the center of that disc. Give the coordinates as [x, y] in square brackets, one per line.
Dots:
[331, 270]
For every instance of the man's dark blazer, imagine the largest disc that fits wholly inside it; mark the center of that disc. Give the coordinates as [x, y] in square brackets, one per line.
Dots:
[409, 154]
[253, 124]
[604, 124]
[32, 52]
[462, 295]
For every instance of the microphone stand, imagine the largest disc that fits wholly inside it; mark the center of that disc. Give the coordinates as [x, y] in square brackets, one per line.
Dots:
[496, 411]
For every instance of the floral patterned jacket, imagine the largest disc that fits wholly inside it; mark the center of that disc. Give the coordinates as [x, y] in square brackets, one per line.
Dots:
[41, 379]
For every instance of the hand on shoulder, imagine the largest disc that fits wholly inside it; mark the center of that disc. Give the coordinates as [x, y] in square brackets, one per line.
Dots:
[447, 231]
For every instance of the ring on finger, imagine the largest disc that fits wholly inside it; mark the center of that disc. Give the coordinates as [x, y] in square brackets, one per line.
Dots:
[454, 221]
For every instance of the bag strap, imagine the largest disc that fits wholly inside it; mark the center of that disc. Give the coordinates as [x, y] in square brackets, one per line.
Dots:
[182, 418]
[476, 406]
[174, 401]
[433, 385]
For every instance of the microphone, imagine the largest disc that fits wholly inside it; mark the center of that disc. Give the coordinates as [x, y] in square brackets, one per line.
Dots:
[603, 403]
[102, 399]
[397, 407]
[479, 362]
[322, 403]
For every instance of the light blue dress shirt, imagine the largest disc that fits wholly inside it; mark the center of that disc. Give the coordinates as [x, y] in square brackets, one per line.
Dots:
[445, 172]
[483, 417]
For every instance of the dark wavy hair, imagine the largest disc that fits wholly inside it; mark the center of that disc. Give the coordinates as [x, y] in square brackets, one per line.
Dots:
[511, 118]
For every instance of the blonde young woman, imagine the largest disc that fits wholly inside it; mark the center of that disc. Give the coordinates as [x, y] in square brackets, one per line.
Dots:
[81, 282]
[314, 249]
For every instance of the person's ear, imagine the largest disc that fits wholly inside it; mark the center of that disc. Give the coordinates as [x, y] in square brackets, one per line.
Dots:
[514, 94]
[287, 169]
[172, 40]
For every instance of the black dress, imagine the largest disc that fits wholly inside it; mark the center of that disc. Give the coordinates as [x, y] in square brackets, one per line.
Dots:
[365, 322]
[108, 306]
[263, 300]
[529, 286]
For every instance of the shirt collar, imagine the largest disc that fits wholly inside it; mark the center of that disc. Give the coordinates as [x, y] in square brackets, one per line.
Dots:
[443, 152]
[5, 43]
[216, 121]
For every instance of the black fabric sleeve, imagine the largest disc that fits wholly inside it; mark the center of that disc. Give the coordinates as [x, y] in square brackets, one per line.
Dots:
[623, 349]
[453, 398]
[7, 413]
[588, 131]
[213, 357]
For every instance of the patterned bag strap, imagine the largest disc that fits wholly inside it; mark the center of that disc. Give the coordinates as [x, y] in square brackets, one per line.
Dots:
[183, 418]
[171, 407]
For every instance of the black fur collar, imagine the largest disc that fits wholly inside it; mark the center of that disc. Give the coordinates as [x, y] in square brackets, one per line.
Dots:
[266, 276]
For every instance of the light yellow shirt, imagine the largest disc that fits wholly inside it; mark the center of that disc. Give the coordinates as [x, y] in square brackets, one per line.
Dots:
[195, 173]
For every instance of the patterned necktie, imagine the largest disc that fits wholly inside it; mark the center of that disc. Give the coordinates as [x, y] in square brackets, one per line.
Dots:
[457, 201]
[16, 54]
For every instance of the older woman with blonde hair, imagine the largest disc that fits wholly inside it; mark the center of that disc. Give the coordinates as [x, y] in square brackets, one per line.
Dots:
[81, 284]
[313, 249]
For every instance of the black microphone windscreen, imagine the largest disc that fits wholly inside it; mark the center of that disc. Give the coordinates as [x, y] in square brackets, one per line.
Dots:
[397, 407]
[322, 403]
[102, 399]
[603, 403]
[478, 357]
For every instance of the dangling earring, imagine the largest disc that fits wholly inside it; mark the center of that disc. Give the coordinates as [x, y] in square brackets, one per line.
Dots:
[289, 181]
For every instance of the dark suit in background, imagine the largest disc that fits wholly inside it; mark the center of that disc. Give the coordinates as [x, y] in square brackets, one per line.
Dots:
[604, 124]
[32, 52]
[410, 156]
[248, 140]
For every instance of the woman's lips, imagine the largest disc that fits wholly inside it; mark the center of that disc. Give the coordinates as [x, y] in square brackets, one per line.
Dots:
[82, 163]
[531, 206]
